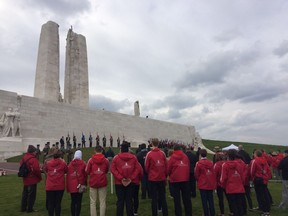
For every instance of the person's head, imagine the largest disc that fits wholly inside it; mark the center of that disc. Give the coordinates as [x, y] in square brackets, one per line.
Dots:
[286, 152]
[125, 146]
[258, 153]
[155, 142]
[203, 153]
[31, 149]
[38, 146]
[220, 156]
[57, 153]
[143, 146]
[177, 147]
[78, 155]
[232, 153]
[240, 147]
[98, 149]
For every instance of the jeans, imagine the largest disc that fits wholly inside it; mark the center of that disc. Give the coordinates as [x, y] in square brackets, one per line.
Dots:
[158, 193]
[76, 201]
[124, 196]
[54, 202]
[207, 202]
[184, 189]
[28, 197]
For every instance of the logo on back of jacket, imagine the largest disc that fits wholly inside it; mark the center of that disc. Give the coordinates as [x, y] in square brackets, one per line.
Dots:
[98, 171]
[182, 164]
[126, 166]
[159, 163]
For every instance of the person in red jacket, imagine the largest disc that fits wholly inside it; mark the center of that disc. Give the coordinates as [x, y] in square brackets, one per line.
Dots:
[232, 179]
[260, 174]
[179, 175]
[156, 167]
[219, 161]
[55, 170]
[206, 182]
[97, 168]
[30, 182]
[76, 176]
[124, 170]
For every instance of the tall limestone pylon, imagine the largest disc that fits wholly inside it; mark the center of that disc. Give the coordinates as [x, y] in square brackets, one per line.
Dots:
[76, 86]
[47, 70]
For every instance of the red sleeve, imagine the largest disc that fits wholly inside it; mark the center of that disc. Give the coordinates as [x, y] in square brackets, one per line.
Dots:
[114, 169]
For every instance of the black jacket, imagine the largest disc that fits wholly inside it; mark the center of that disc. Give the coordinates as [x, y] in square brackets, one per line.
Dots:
[284, 167]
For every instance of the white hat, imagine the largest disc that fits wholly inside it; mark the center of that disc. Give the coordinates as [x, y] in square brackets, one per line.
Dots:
[78, 155]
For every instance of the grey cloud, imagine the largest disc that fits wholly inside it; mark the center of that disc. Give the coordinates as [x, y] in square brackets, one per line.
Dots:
[173, 114]
[282, 49]
[247, 93]
[63, 7]
[227, 36]
[217, 68]
[176, 101]
[101, 102]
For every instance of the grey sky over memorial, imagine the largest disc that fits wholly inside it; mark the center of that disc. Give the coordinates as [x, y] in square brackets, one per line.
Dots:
[221, 66]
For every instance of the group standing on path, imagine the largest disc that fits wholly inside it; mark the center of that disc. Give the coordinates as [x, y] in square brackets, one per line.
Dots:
[230, 175]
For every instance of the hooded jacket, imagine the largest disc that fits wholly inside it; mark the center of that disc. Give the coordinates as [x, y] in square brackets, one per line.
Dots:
[140, 174]
[204, 174]
[76, 175]
[97, 168]
[232, 177]
[124, 166]
[34, 175]
[55, 174]
[178, 167]
[218, 169]
[156, 165]
[260, 168]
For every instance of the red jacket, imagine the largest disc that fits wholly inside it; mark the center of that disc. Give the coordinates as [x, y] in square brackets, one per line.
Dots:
[97, 168]
[156, 165]
[218, 169]
[124, 166]
[34, 175]
[232, 177]
[260, 168]
[55, 174]
[204, 174]
[276, 160]
[178, 167]
[140, 174]
[76, 175]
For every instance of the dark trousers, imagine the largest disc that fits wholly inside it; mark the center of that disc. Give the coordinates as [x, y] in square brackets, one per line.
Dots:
[248, 196]
[76, 201]
[184, 189]
[158, 194]
[124, 196]
[28, 197]
[136, 198]
[54, 199]
[145, 188]
[207, 202]
[220, 195]
[192, 181]
[236, 202]
[262, 197]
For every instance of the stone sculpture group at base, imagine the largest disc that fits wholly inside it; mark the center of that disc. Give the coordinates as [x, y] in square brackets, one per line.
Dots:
[10, 123]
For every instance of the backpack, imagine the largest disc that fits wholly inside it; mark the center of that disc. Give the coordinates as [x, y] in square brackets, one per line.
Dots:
[23, 169]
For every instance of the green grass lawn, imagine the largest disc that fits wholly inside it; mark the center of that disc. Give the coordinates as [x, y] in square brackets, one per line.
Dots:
[11, 189]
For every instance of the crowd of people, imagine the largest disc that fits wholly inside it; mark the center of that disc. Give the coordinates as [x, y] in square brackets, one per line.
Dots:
[231, 174]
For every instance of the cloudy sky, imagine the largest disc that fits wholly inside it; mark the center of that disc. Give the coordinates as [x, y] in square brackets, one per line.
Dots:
[221, 66]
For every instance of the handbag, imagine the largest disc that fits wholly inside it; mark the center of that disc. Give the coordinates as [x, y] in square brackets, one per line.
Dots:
[81, 188]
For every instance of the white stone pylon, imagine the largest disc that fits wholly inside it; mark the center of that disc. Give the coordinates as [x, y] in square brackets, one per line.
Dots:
[76, 86]
[47, 69]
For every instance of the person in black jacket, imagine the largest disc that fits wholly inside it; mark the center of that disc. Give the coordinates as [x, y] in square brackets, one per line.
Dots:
[244, 155]
[283, 166]
[193, 160]
[144, 181]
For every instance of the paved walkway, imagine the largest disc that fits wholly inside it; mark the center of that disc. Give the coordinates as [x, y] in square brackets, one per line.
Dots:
[10, 168]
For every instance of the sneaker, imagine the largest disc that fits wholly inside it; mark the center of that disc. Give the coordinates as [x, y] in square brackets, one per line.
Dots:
[135, 213]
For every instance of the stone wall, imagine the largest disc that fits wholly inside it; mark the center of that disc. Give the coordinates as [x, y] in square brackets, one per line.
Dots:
[43, 121]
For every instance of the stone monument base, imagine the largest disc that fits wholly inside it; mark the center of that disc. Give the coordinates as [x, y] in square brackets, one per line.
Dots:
[10, 147]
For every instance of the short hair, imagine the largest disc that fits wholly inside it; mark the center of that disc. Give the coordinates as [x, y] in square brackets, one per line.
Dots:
[232, 154]
[258, 153]
[155, 142]
[177, 147]
[203, 152]
[98, 149]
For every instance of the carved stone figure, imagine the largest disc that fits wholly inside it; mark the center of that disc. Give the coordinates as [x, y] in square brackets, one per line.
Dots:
[16, 123]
